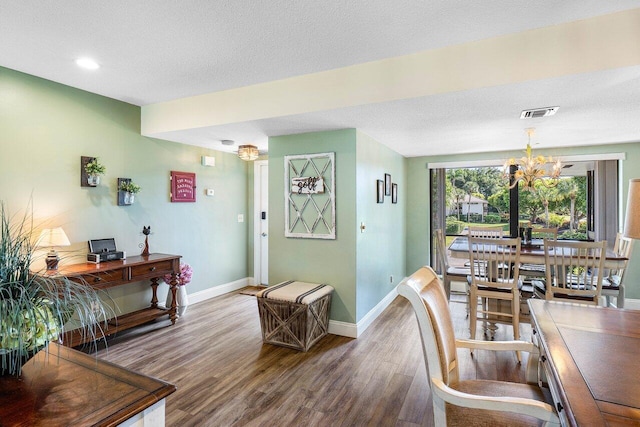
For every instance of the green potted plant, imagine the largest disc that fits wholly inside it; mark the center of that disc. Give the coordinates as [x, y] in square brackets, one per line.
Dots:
[35, 306]
[94, 169]
[130, 189]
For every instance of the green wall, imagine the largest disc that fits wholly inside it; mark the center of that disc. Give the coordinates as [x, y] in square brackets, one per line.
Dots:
[381, 249]
[419, 200]
[358, 265]
[46, 127]
[317, 260]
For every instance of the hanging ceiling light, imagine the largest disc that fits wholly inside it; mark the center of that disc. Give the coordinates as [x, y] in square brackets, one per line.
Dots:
[532, 168]
[248, 152]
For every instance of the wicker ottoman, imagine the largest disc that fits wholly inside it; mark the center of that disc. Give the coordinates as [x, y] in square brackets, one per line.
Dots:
[294, 314]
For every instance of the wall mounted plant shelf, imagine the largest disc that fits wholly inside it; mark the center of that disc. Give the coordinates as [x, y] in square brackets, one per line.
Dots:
[85, 181]
[125, 198]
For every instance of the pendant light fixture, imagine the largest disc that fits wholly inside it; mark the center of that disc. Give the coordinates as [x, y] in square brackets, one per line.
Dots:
[248, 152]
[533, 168]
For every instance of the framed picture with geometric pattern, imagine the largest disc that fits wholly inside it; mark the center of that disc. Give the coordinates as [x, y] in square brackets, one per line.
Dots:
[310, 196]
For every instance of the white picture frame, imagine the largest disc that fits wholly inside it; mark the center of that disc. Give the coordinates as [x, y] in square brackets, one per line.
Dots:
[310, 196]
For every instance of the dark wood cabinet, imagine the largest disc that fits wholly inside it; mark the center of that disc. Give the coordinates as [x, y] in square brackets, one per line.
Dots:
[116, 273]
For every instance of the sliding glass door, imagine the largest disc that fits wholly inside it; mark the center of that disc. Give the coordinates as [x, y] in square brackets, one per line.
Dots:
[582, 204]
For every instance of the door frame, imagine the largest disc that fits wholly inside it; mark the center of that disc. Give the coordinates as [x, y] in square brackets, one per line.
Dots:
[257, 246]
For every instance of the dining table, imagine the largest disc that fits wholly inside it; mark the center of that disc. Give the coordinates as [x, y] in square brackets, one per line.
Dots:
[588, 361]
[532, 253]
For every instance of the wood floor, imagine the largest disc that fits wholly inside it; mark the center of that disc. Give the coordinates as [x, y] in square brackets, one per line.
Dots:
[226, 377]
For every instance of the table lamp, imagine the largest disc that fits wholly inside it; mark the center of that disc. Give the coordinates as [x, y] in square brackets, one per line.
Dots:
[51, 237]
[632, 217]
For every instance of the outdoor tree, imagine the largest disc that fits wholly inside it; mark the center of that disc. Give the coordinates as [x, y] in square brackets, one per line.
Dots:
[546, 195]
[574, 189]
[470, 187]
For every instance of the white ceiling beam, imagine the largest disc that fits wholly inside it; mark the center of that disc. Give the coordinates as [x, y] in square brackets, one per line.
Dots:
[595, 44]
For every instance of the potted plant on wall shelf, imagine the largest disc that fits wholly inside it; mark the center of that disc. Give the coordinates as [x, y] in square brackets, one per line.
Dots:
[130, 189]
[35, 306]
[94, 169]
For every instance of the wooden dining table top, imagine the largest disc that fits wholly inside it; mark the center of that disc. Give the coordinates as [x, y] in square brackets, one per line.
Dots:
[591, 358]
[531, 254]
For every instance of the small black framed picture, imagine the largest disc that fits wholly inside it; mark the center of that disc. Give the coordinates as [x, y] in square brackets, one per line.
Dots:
[387, 184]
[380, 191]
[394, 193]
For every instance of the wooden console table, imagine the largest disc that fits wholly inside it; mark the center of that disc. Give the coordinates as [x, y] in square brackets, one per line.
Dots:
[589, 356]
[116, 273]
[66, 387]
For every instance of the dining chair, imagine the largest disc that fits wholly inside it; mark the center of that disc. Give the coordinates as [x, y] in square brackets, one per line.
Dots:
[495, 231]
[573, 271]
[494, 275]
[612, 282]
[538, 270]
[470, 402]
[486, 231]
[449, 273]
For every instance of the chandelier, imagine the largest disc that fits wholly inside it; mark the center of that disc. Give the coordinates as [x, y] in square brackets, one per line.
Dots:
[532, 168]
[248, 152]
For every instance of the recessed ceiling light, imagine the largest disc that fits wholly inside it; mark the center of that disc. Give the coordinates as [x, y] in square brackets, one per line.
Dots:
[87, 63]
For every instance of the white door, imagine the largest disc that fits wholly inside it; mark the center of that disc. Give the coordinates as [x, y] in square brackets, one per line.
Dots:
[261, 222]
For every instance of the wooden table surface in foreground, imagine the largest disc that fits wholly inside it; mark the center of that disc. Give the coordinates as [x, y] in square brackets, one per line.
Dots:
[66, 387]
[590, 356]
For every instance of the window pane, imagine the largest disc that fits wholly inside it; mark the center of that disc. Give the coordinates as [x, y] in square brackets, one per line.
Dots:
[563, 205]
[475, 196]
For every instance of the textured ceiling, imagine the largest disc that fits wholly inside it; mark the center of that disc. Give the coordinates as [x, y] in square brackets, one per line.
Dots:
[155, 51]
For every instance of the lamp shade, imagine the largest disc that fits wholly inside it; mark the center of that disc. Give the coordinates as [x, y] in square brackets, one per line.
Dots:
[53, 237]
[632, 217]
[248, 152]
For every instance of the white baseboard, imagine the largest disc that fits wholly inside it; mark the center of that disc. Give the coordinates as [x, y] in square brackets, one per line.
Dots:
[354, 330]
[216, 291]
[632, 304]
[345, 329]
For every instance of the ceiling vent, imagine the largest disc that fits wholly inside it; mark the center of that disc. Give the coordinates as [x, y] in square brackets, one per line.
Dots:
[538, 112]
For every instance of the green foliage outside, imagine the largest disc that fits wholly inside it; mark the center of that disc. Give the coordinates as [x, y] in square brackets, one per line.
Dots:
[492, 219]
[573, 235]
[454, 226]
[563, 206]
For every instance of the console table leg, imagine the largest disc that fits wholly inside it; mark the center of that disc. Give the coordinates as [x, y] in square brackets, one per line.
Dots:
[154, 287]
[173, 312]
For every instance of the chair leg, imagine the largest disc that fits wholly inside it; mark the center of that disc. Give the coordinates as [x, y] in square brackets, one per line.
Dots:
[447, 287]
[488, 327]
[515, 310]
[468, 299]
[473, 312]
[620, 298]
